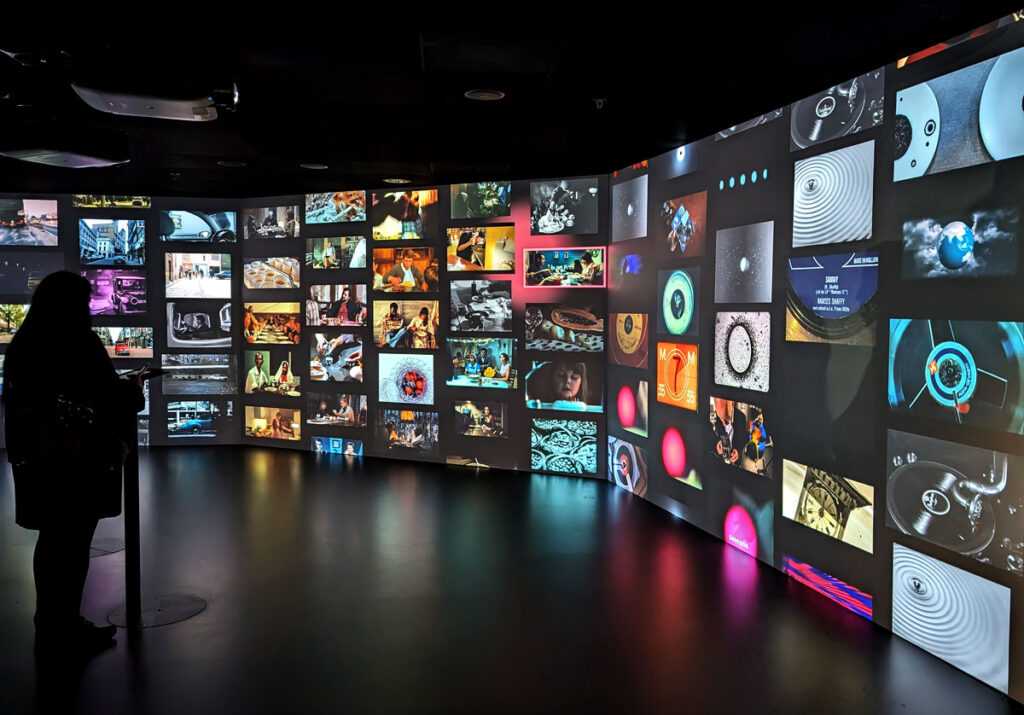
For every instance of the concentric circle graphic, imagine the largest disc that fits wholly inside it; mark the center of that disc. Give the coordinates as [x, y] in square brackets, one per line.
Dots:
[677, 302]
[953, 614]
[832, 196]
[740, 348]
[951, 374]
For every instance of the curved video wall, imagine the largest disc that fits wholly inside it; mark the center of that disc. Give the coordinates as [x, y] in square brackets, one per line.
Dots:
[802, 334]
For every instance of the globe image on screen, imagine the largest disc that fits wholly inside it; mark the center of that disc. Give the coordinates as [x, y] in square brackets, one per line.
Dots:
[956, 242]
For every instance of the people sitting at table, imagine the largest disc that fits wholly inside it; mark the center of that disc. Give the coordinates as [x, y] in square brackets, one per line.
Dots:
[405, 273]
[472, 366]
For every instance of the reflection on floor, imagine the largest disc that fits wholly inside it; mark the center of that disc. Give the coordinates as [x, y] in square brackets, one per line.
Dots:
[338, 586]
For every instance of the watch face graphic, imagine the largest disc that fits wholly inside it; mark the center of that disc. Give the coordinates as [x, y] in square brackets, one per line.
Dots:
[677, 375]
[820, 511]
[831, 504]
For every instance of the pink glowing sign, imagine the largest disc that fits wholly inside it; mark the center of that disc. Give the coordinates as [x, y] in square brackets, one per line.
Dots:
[739, 530]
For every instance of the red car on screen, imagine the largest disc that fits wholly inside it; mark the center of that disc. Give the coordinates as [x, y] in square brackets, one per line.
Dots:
[121, 349]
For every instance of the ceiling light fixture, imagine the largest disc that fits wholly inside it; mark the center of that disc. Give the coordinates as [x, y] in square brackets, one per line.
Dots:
[485, 95]
[397, 181]
[317, 167]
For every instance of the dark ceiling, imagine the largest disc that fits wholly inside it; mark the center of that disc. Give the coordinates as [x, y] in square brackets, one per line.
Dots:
[389, 103]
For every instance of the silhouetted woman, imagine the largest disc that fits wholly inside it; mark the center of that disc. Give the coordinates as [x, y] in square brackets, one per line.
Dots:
[68, 430]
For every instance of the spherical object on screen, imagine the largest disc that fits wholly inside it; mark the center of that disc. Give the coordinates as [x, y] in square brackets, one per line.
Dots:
[627, 407]
[673, 452]
[744, 264]
[739, 349]
[677, 303]
[956, 243]
[680, 153]
[739, 530]
[629, 210]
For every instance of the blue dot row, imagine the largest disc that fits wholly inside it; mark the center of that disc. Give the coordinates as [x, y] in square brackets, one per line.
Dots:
[743, 179]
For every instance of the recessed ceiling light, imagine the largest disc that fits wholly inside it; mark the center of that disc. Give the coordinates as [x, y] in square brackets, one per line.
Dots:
[485, 95]
[397, 181]
[232, 164]
[314, 166]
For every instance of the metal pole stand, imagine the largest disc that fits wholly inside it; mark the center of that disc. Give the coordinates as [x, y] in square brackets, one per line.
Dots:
[155, 610]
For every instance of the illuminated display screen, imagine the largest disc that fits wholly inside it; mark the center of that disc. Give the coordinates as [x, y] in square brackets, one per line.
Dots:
[272, 371]
[334, 410]
[200, 419]
[830, 504]
[198, 275]
[558, 327]
[199, 374]
[336, 207]
[271, 323]
[481, 419]
[829, 586]
[126, 342]
[680, 452]
[481, 306]
[409, 324]
[629, 209]
[406, 433]
[564, 268]
[627, 466]
[967, 372]
[832, 196]
[337, 445]
[271, 222]
[11, 317]
[336, 252]
[406, 378]
[197, 226]
[831, 299]
[743, 264]
[631, 405]
[628, 338]
[482, 362]
[107, 201]
[111, 242]
[199, 324]
[405, 270]
[405, 215]
[685, 225]
[272, 272]
[341, 304]
[482, 248]
[568, 384]
[679, 298]
[563, 446]
[741, 437]
[968, 242]
[677, 375]
[282, 423]
[484, 199]
[116, 292]
[567, 206]
[744, 521]
[839, 111]
[20, 272]
[742, 350]
[336, 357]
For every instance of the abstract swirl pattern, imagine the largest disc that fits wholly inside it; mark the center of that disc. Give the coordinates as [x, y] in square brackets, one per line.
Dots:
[952, 614]
[832, 196]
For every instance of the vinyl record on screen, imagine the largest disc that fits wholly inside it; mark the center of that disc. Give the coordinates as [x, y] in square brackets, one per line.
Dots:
[832, 330]
[678, 301]
[922, 500]
[917, 132]
[999, 113]
[838, 111]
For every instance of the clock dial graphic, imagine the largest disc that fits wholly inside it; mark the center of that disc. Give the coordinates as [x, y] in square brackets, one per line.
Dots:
[677, 375]
[831, 504]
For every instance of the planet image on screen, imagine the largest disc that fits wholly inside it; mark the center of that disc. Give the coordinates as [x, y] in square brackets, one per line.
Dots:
[956, 245]
[629, 210]
[739, 349]
[744, 264]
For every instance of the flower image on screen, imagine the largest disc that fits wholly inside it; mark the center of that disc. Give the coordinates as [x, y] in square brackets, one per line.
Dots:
[111, 242]
[563, 446]
[28, 222]
[197, 275]
[336, 357]
[201, 419]
[116, 292]
[271, 272]
[197, 226]
[336, 252]
[199, 374]
[409, 324]
[271, 222]
[126, 342]
[405, 270]
[406, 377]
[484, 199]
[336, 207]
[272, 371]
[481, 306]
[482, 248]
[566, 206]
[273, 423]
[271, 323]
[405, 215]
[482, 362]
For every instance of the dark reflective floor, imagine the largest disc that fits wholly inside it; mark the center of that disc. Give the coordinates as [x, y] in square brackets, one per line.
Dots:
[381, 586]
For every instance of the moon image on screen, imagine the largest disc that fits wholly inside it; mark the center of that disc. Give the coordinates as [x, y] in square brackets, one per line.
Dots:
[744, 264]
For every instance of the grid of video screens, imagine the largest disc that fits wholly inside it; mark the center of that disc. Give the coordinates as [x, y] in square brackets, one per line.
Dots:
[778, 332]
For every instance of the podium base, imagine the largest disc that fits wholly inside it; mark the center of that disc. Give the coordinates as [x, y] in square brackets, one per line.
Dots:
[161, 611]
